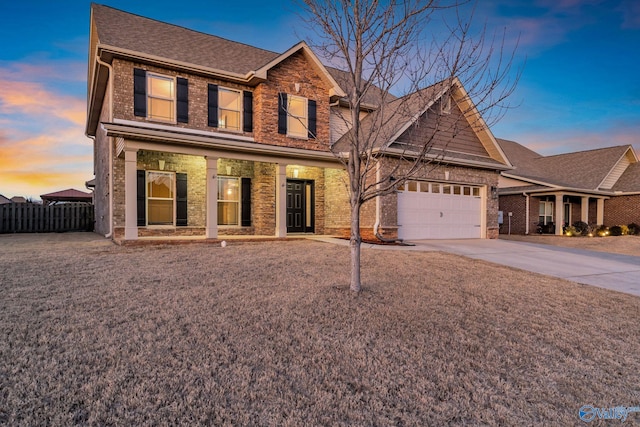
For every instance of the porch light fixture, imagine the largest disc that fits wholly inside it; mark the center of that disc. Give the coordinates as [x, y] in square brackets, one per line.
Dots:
[494, 192]
[297, 86]
[228, 170]
[161, 164]
[295, 171]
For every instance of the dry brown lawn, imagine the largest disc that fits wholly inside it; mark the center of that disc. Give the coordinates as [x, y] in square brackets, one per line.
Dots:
[626, 245]
[268, 334]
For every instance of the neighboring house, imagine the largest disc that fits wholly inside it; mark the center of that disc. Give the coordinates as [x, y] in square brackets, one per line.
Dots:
[69, 195]
[4, 200]
[547, 193]
[198, 135]
[18, 199]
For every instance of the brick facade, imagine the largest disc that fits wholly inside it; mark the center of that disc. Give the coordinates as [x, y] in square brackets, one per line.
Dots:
[296, 75]
[622, 210]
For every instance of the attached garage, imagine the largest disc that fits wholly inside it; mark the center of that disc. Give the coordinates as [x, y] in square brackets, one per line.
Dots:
[434, 210]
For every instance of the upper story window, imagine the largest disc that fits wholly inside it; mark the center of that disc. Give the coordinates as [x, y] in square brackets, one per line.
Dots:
[296, 116]
[160, 97]
[229, 109]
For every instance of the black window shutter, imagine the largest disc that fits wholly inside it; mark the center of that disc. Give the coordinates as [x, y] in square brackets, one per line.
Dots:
[139, 92]
[213, 105]
[142, 198]
[182, 93]
[181, 199]
[282, 113]
[311, 109]
[247, 107]
[246, 202]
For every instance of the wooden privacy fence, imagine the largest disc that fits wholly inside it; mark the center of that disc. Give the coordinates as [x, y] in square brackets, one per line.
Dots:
[34, 218]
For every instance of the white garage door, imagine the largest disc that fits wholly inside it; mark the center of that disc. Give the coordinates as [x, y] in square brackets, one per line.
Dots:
[429, 210]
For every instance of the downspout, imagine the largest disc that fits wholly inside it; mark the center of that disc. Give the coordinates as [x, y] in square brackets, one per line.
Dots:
[526, 210]
[110, 80]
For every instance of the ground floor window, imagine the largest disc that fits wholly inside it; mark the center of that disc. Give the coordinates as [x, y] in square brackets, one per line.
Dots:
[160, 198]
[546, 213]
[228, 201]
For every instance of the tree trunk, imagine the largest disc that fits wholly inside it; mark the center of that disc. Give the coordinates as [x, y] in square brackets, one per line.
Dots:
[355, 243]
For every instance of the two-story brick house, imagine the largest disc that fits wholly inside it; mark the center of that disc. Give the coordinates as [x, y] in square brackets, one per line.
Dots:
[195, 135]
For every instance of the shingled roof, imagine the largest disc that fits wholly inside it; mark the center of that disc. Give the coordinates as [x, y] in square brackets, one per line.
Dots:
[580, 170]
[134, 33]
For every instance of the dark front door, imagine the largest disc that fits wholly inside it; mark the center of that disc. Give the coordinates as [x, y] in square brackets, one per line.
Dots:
[300, 216]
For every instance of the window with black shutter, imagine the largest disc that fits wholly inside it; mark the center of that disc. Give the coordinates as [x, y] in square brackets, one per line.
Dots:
[141, 198]
[181, 199]
[139, 92]
[245, 208]
[213, 105]
[182, 100]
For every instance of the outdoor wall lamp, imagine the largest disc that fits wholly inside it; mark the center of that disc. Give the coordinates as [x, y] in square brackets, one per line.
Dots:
[161, 164]
[494, 192]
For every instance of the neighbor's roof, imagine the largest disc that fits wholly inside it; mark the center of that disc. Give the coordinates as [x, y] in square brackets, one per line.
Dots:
[136, 33]
[630, 179]
[582, 169]
[68, 195]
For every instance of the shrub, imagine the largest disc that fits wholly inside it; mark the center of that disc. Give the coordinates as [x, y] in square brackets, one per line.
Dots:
[571, 231]
[634, 228]
[602, 231]
[616, 230]
[625, 230]
[581, 227]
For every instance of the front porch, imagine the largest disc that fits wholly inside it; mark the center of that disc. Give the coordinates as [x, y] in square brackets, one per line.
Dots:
[173, 193]
[558, 210]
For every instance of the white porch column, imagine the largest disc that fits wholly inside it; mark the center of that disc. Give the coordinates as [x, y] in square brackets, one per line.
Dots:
[211, 227]
[584, 210]
[559, 213]
[600, 214]
[130, 194]
[281, 201]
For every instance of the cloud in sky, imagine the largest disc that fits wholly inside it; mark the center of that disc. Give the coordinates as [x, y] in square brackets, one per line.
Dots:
[42, 141]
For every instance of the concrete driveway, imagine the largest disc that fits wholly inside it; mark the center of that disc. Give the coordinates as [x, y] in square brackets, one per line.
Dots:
[611, 271]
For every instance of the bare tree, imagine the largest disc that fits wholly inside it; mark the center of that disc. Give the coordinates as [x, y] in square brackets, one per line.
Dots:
[403, 46]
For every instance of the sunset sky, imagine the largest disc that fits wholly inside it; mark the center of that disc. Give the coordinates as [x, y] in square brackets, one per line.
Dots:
[580, 87]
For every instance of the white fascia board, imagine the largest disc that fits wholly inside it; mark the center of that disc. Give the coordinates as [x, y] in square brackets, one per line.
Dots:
[214, 141]
[159, 60]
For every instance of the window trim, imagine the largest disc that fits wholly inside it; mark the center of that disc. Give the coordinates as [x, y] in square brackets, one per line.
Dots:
[174, 97]
[291, 116]
[238, 202]
[546, 203]
[240, 110]
[147, 197]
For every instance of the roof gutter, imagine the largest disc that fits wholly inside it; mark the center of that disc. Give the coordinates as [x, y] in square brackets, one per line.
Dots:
[397, 152]
[249, 78]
